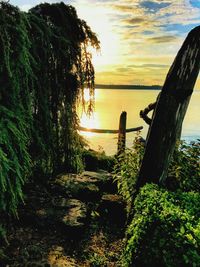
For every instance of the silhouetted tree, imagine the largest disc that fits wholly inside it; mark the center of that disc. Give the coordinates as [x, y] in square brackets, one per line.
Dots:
[44, 67]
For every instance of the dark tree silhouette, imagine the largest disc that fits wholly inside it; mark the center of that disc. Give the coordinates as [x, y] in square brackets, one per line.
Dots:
[44, 66]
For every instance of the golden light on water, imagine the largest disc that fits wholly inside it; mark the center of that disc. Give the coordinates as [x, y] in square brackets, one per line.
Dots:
[90, 122]
[110, 103]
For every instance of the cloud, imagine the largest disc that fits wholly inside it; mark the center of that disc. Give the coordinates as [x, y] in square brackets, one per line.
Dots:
[135, 20]
[124, 69]
[140, 22]
[147, 33]
[123, 8]
[156, 66]
[177, 28]
[114, 73]
[154, 6]
[182, 12]
[162, 39]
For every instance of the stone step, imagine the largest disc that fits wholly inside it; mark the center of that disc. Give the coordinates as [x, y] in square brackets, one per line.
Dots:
[67, 206]
[68, 215]
[88, 186]
[113, 207]
[104, 180]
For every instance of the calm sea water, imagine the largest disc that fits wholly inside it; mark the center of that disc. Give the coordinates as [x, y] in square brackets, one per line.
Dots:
[110, 103]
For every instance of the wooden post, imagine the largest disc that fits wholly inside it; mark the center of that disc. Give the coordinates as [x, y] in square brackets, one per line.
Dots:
[122, 133]
[170, 110]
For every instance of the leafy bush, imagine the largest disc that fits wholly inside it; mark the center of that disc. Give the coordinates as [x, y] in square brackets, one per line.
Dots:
[184, 170]
[165, 230]
[95, 160]
[127, 167]
[185, 165]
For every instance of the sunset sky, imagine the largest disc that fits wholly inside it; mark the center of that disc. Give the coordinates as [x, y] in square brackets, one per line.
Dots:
[139, 39]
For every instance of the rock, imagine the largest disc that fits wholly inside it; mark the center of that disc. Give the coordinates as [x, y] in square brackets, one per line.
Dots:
[57, 213]
[114, 207]
[76, 215]
[76, 186]
[87, 186]
[72, 197]
[103, 180]
[97, 176]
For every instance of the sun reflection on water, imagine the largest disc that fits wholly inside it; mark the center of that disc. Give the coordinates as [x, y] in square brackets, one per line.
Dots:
[89, 122]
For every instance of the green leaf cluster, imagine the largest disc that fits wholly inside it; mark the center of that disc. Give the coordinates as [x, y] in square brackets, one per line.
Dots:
[127, 167]
[15, 160]
[185, 166]
[164, 224]
[165, 229]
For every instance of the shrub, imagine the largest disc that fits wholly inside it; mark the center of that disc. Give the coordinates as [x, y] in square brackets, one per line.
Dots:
[184, 170]
[165, 230]
[127, 167]
[95, 160]
[185, 165]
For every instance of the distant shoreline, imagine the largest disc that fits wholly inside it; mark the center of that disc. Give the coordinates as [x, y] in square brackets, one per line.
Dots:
[128, 87]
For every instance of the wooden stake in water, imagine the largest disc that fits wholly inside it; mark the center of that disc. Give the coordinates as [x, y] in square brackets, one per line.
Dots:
[122, 133]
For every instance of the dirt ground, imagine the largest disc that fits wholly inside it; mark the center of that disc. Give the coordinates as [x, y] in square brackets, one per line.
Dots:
[98, 243]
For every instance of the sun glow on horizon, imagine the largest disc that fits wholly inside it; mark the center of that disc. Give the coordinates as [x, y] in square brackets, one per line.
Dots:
[99, 20]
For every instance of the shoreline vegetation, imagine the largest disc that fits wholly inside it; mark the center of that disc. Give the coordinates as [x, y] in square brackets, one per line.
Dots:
[128, 87]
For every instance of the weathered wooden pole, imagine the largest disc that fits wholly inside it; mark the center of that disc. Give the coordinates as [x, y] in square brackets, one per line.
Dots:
[170, 110]
[122, 133]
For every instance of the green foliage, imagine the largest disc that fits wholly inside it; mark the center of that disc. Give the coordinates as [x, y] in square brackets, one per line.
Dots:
[165, 226]
[45, 65]
[184, 170]
[185, 166]
[95, 160]
[97, 260]
[165, 230]
[14, 159]
[127, 167]
[15, 117]
[2, 232]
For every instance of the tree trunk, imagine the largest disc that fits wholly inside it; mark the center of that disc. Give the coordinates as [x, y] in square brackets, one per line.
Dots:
[170, 111]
